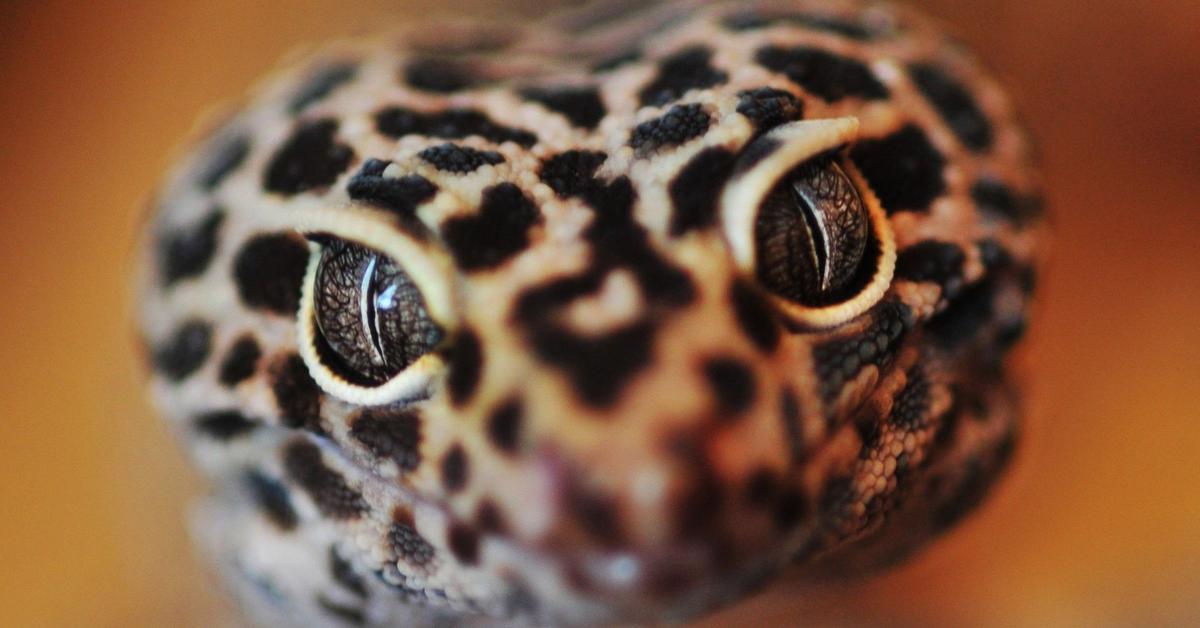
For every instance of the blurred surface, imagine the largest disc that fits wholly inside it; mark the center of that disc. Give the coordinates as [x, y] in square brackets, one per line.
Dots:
[1098, 525]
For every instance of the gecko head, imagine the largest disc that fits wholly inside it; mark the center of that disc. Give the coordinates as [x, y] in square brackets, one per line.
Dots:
[628, 403]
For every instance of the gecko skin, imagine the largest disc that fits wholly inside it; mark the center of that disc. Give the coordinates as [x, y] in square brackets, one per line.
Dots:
[593, 320]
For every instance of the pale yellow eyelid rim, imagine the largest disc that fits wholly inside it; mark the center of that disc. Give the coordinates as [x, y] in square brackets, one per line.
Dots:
[429, 268]
[799, 141]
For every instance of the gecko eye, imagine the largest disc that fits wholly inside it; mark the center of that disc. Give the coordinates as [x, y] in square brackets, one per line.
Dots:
[811, 234]
[801, 219]
[376, 309]
[371, 317]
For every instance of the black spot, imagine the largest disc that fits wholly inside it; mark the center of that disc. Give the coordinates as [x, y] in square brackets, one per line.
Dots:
[768, 108]
[964, 317]
[225, 425]
[343, 573]
[955, 104]
[997, 199]
[754, 20]
[321, 84]
[572, 173]
[903, 169]
[732, 383]
[839, 360]
[789, 411]
[240, 362]
[695, 190]
[185, 351]
[269, 270]
[617, 60]
[755, 153]
[461, 159]
[534, 303]
[684, 70]
[309, 159]
[618, 241]
[993, 254]
[409, 545]
[1010, 332]
[399, 195]
[465, 365]
[296, 394]
[761, 487]
[328, 490]
[348, 614]
[504, 425]
[910, 410]
[754, 316]
[439, 74]
[225, 155]
[595, 513]
[187, 252]
[464, 544]
[272, 499]
[581, 105]
[390, 433]
[828, 76]
[930, 260]
[497, 233]
[488, 517]
[790, 509]
[697, 508]
[398, 122]
[598, 366]
[454, 469]
[680, 124]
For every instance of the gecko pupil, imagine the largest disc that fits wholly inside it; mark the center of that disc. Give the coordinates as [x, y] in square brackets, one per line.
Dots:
[369, 313]
[811, 234]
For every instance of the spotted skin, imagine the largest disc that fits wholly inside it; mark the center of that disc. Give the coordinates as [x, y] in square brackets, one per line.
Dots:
[619, 423]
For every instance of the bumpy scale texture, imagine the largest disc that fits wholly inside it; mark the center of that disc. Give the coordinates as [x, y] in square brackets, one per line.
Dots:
[618, 423]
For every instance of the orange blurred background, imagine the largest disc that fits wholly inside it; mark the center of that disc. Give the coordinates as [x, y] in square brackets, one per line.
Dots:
[1098, 525]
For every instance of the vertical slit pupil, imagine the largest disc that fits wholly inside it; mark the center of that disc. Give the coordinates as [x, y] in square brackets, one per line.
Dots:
[819, 250]
[371, 318]
[368, 305]
[811, 234]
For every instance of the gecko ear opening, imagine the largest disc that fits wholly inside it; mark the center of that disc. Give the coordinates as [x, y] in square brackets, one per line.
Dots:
[801, 219]
[375, 310]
